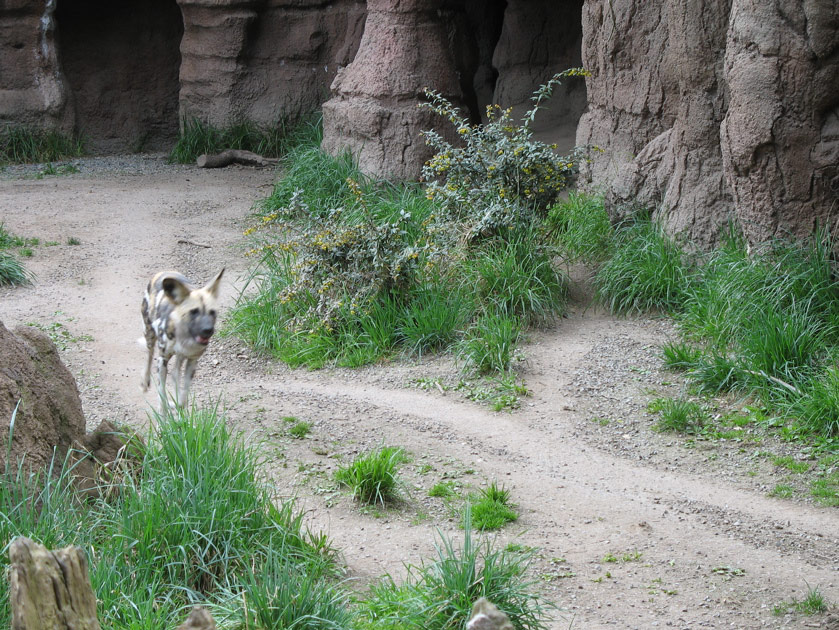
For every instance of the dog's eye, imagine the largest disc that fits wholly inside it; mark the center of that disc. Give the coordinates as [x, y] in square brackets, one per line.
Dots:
[194, 311]
[212, 313]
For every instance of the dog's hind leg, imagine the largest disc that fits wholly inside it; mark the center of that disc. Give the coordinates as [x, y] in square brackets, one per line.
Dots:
[189, 372]
[147, 374]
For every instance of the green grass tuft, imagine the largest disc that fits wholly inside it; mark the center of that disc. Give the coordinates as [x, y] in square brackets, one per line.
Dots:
[682, 416]
[372, 478]
[25, 145]
[648, 271]
[439, 595]
[581, 228]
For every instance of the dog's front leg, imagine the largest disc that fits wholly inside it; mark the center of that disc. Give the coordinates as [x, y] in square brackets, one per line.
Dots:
[162, 373]
[179, 361]
[189, 372]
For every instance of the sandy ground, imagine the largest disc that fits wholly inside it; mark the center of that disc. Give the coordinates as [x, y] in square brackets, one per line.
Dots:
[698, 542]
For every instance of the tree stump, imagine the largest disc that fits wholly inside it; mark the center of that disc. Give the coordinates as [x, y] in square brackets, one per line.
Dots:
[50, 590]
[199, 619]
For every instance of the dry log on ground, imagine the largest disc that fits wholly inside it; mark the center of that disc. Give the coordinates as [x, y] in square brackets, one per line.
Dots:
[234, 156]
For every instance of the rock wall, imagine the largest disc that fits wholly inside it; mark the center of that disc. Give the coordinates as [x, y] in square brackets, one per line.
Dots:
[374, 111]
[123, 74]
[49, 415]
[715, 110]
[32, 88]
[259, 60]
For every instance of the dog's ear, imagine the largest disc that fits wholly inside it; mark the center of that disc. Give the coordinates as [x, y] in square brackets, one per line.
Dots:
[213, 287]
[176, 290]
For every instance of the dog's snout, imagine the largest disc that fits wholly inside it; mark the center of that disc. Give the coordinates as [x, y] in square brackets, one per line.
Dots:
[207, 332]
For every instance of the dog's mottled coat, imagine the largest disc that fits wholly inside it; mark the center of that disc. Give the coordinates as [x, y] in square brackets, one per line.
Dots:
[179, 321]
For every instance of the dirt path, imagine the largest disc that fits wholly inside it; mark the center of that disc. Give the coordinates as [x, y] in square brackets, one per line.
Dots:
[697, 542]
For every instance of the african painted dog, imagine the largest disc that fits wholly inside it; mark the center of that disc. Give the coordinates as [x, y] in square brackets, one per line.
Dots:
[180, 320]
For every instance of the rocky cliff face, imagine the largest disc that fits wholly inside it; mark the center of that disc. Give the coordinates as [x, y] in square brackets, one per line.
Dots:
[707, 111]
[715, 111]
[124, 73]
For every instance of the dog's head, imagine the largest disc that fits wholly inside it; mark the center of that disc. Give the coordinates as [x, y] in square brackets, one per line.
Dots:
[195, 310]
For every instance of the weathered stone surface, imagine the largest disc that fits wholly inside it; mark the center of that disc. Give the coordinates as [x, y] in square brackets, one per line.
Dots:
[486, 616]
[540, 38]
[715, 110]
[49, 416]
[199, 619]
[779, 138]
[258, 61]
[374, 110]
[33, 90]
[50, 590]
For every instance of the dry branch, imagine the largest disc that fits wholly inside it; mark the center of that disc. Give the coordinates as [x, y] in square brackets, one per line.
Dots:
[234, 156]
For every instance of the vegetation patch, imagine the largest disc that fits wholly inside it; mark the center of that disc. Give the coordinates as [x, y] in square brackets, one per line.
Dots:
[352, 271]
[373, 477]
[28, 145]
[490, 509]
[197, 137]
[439, 594]
[12, 271]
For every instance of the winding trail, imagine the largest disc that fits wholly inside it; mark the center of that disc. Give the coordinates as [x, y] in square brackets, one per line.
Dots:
[693, 549]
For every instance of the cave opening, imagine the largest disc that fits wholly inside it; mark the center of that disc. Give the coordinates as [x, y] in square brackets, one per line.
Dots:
[506, 49]
[121, 61]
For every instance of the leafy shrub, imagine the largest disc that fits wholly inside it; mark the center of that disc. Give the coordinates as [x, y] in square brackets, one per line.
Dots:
[342, 261]
[500, 177]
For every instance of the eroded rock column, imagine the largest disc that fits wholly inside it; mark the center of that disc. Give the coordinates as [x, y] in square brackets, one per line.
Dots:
[780, 136]
[374, 109]
[32, 87]
[214, 39]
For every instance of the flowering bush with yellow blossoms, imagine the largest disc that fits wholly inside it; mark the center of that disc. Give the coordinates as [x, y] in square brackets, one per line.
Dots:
[499, 177]
[342, 259]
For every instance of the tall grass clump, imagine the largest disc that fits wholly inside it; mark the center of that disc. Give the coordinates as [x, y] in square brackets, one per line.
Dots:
[200, 495]
[373, 477]
[515, 277]
[647, 271]
[12, 271]
[187, 524]
[439, 594]
[23, 145]
[197, 137]
[283, 594]
[581, 228]
[765, 323]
